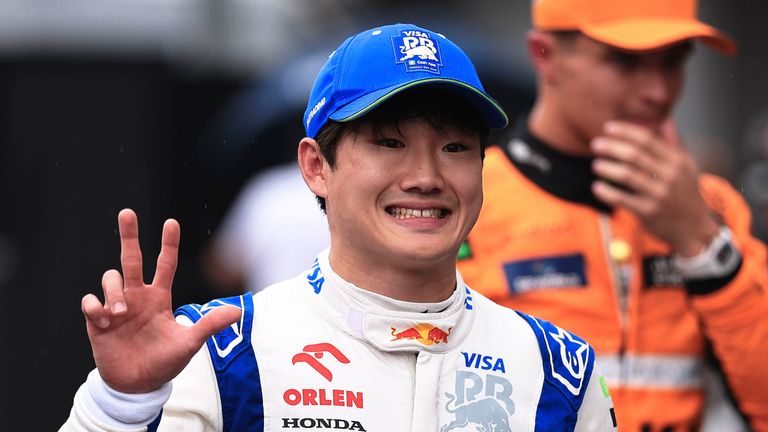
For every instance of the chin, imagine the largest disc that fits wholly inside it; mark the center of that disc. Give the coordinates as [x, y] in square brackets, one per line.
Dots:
[418, 253]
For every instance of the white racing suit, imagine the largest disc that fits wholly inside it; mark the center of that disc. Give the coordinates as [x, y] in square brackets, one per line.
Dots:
[317, 353]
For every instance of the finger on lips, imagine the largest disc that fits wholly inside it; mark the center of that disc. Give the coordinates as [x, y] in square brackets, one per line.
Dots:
[658, 144]
[628, 131]
[669, 132]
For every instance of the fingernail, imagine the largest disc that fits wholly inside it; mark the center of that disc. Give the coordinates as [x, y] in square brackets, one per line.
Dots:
[597, 144]
[118, 307]
[102, 322]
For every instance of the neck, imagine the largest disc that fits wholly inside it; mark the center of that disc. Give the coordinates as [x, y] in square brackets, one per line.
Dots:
[546, 124]
[400, 281]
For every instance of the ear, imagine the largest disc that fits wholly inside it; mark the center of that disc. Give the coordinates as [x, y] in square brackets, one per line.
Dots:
[541, 49]
[313, 167]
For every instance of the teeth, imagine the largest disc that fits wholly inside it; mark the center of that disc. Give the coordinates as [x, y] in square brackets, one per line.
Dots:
[407, 213]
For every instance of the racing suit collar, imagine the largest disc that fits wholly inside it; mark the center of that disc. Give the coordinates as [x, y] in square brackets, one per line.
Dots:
[388, 324]
[565, 176]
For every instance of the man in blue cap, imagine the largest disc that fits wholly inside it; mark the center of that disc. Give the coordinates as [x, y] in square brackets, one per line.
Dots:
[380, 334]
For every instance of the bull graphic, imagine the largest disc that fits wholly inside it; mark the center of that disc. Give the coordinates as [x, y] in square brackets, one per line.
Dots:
[421, 51]
[437, 335]
[487, 413]
[409, 333]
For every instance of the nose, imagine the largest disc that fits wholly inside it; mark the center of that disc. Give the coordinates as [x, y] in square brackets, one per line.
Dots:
[423, 172]
[656, 86]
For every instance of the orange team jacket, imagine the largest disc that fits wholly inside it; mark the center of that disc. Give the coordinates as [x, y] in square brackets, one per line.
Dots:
[545, 246]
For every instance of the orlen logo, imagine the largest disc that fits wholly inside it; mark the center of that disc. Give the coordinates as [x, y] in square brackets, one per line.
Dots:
[424, 333]
[317, 351]
[323, 397]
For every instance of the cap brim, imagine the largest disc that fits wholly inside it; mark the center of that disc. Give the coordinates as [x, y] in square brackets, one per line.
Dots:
[489, 109]
[648, 34]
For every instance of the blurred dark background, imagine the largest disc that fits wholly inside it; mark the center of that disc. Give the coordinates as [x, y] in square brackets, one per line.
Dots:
[169, 106]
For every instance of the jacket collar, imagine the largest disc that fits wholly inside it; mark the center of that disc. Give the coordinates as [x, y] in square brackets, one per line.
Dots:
[565, 176]
[388, 324]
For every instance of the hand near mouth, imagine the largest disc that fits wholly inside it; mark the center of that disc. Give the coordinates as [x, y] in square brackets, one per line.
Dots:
[657, 179]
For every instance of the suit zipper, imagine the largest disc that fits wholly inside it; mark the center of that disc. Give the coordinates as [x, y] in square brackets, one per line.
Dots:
[621, 287]
[412, 366]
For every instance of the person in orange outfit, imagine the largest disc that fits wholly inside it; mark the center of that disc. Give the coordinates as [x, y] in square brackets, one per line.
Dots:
[597, 218]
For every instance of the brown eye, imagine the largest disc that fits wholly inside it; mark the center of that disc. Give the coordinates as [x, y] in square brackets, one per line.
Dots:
[455, 148]
[390, 143]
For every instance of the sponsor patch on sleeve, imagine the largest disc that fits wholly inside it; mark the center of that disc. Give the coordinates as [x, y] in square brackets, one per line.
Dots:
[566, 271]
[660, 271]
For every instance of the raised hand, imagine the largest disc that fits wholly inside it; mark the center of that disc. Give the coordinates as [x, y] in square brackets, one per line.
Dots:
[660, 181]
[137, 344]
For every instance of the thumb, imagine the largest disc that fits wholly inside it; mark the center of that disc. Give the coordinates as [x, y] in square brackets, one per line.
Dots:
[215, 321]
[669, 132]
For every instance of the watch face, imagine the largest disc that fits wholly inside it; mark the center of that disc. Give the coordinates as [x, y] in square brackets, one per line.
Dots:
[724, 254]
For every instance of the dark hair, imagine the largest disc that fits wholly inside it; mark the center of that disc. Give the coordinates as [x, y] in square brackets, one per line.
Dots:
[439, 107]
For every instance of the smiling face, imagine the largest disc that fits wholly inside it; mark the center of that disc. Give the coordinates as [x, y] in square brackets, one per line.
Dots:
[401, 194]
[407, 196]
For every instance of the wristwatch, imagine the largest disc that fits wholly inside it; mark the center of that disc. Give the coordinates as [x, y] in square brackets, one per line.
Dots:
[719, 259]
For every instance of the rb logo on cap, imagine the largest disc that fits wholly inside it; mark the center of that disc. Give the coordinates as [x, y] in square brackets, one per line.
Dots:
[418, 51]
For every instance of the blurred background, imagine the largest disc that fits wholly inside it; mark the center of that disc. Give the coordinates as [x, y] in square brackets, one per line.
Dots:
[176, 108]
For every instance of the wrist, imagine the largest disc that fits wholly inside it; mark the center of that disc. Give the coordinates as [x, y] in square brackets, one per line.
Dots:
[717, 259]
[697, 243]
[123, 409]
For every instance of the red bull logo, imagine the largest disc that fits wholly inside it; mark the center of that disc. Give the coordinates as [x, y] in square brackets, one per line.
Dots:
[424, 333]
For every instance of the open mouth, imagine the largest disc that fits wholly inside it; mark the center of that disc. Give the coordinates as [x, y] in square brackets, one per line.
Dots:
[409, 213]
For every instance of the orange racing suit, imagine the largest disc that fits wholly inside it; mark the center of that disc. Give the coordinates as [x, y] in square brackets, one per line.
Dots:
[544, 245]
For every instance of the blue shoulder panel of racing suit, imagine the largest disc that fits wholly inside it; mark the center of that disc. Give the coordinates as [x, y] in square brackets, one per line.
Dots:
[568, 362]
[237, 372]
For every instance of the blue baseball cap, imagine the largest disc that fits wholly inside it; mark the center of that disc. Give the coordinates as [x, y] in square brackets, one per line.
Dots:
[374, 65]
